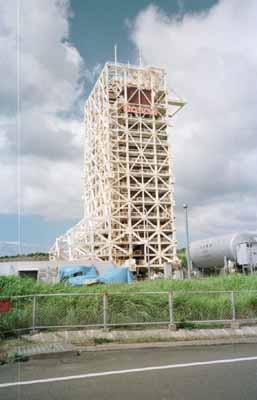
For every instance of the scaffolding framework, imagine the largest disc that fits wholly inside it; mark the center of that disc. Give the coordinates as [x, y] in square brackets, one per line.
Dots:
[128, 180]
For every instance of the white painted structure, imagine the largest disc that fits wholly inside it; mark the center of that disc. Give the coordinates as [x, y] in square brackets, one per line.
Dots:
[217, 251]
[128, 176]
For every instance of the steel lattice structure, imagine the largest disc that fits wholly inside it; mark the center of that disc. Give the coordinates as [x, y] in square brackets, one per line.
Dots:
[128, 180]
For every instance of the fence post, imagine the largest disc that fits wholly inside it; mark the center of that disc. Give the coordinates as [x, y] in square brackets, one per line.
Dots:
[34, 305]
[172, 326]
[105, 310]
[232, 300]
[234, 323]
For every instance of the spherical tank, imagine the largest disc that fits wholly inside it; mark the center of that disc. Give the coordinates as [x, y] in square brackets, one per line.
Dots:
[210, 252]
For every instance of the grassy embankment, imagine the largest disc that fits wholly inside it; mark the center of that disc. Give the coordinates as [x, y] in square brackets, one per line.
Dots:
[128, 307]
[26, 257]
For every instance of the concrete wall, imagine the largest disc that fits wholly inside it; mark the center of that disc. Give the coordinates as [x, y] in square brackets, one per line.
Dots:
[47, 270]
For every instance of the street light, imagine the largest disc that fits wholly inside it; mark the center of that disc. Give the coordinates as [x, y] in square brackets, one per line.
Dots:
[187, 242]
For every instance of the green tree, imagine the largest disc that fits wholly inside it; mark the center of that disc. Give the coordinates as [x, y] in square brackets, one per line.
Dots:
[181, 253]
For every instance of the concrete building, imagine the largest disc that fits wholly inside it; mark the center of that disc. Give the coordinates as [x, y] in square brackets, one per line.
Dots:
[128, 175]
[44, 271]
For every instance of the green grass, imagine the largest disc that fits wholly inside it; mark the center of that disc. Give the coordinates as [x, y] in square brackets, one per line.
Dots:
[126, 307]
[11, 286]
[102, 340]
[25, 257]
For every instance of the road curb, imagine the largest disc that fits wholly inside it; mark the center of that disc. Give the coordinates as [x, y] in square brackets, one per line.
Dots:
[77, 350]
[152, 345]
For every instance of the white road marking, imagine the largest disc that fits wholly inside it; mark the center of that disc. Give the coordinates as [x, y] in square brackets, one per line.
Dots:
[128, 371]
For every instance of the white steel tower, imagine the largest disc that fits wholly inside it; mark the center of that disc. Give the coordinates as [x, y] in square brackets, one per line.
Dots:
[128, 179]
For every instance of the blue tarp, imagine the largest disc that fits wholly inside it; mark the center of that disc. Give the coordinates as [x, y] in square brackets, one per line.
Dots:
[71, 272]
[88, 273]
[115, 275]
[80, 280]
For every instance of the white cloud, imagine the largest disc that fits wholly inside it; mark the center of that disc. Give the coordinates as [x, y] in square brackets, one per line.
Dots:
[51, 84]
[52, 189]
[211, 60]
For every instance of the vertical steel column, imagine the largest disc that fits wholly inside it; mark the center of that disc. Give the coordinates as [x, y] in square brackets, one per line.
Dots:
[189, 265]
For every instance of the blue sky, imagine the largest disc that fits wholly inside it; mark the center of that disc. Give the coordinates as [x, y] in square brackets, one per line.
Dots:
[98, 25]
[201, 53]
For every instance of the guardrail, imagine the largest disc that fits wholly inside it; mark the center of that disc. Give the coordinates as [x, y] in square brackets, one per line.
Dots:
[115, 309]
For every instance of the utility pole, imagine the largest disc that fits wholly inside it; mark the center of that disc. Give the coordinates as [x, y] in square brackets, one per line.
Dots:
[189, 265]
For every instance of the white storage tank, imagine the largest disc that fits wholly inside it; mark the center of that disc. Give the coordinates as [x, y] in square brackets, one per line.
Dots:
[210, 253]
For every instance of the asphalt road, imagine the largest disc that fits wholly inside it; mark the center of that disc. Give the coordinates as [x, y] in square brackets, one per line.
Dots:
[211, 372]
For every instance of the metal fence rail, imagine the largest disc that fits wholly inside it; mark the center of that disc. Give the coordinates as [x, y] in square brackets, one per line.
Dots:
[74, 310]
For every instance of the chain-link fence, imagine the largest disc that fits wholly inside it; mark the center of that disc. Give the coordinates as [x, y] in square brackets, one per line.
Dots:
[19, 316]
[46, 311]
[203, 306]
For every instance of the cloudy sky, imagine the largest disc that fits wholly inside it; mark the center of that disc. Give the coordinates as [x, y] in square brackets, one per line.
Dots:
[51, 52]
